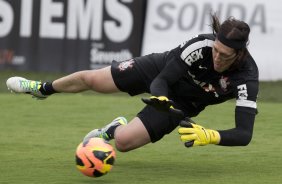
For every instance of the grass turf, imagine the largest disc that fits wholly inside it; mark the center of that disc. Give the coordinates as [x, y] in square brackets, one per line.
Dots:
[38, 141]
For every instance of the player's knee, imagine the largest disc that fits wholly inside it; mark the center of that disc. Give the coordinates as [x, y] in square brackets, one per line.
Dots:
[99, 80]
[123, 144]
[89, 78]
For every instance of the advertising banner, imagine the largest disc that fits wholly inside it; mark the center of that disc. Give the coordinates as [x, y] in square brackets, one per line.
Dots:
[69, 35]
[170, 23]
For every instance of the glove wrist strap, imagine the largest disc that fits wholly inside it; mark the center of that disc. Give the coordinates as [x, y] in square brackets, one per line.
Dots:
[214, 136]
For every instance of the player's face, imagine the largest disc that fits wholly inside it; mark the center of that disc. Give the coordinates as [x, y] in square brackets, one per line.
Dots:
[223, 56]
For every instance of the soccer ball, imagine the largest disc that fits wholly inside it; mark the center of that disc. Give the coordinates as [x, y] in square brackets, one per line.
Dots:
[95, 158]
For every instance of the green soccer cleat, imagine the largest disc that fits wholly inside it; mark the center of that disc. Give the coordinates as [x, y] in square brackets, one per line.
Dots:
[102, 133]
[22, 85]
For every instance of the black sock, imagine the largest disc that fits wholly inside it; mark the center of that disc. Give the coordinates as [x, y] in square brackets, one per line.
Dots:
[111, 131]
[47, 88]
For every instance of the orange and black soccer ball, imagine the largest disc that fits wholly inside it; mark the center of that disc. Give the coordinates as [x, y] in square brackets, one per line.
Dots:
[95, 158]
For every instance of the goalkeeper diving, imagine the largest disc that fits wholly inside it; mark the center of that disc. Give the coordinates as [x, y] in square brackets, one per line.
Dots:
[208, 69]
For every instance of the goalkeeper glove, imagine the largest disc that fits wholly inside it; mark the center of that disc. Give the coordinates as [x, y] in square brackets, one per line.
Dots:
[196, 135]
[162, 103]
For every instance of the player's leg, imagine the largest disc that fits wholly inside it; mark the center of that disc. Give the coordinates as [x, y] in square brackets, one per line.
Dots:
[127, 136]
[98, 80]
[131, 136]
[150, 125]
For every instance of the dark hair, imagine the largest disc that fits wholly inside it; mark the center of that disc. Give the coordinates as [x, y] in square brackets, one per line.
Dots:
[233, 33]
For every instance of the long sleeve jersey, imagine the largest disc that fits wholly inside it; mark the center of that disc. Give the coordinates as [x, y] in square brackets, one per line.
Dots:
[188, 75]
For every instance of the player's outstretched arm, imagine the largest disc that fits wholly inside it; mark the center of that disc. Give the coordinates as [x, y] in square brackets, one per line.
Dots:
[242, 134]
[195, 135]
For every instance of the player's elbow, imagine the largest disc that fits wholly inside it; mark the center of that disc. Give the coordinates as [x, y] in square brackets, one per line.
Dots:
[236, 137]
[245, 138]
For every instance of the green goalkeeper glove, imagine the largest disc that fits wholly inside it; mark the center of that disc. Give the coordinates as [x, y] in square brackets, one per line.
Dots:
[162, 103]
[196, 135]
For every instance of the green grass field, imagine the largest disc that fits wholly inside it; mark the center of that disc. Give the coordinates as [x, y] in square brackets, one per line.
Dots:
[38, 141]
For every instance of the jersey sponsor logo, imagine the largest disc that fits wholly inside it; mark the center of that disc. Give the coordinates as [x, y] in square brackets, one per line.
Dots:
[207, 87]
[193, 51]
[242, 92]
[194, 56]
[126, 64]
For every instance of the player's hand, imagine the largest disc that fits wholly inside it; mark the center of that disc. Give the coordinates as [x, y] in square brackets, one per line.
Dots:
[196, 135]
[162, 103]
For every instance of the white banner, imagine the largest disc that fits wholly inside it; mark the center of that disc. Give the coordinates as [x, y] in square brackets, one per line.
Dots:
[170, 23]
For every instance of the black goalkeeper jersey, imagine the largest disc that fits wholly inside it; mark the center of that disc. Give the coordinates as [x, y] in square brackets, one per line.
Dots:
[187, 76]
[189, 73]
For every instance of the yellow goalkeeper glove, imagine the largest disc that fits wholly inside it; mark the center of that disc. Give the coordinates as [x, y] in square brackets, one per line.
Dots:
[196, 135]
[162, 103]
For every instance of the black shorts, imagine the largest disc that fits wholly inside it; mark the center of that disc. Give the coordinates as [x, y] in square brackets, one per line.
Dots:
[127, 78]
[134, 77]
[157, 123]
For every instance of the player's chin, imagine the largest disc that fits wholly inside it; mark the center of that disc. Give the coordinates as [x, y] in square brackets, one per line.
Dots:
[218, 68]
